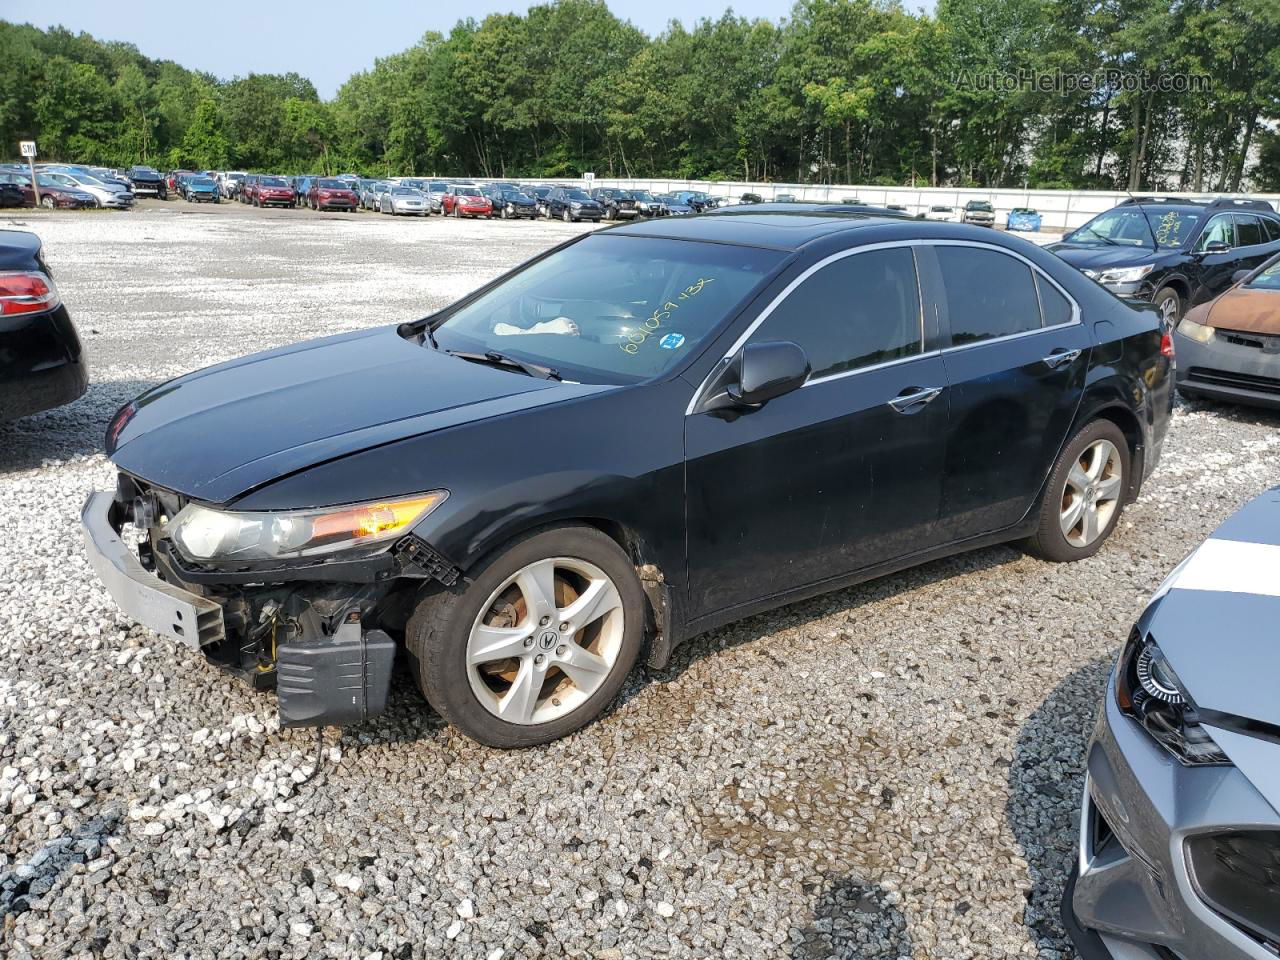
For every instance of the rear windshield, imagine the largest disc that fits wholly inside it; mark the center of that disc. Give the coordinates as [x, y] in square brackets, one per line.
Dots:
[611, 309]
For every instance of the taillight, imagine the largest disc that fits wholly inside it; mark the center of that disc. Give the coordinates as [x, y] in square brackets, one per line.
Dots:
[26, 293]
[1166, 345]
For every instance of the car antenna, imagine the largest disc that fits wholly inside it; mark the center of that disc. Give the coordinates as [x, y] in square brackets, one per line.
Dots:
[1150, 229]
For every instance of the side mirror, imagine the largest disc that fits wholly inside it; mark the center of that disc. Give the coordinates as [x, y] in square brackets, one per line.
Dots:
[1217, 246]
[1240, 275]
[763, 371]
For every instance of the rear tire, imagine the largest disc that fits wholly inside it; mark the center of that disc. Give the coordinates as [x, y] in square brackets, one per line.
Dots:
[443, 635]
[1084, 496]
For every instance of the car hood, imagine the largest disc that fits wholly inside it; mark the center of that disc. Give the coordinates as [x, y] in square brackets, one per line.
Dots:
[1214, 618]
[218, 433]
[1102, 257]
[1247, 310]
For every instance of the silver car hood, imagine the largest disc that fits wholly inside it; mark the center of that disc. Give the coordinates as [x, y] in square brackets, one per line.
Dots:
[1217, 620]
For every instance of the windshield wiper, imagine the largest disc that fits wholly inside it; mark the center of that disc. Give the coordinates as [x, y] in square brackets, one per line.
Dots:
[1106, 240]
[494, 358]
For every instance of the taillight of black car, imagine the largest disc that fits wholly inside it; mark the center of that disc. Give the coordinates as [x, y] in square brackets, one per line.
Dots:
[26, 293]
[1238, 874]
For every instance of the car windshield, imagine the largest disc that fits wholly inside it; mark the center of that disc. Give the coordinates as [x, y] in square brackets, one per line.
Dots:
[330, 184]
[1022, 211]
[404, 192]
[467, 191]
[1268, 279]
[641, 195]
[576, 195]
[1133, 227]
[207, 182]
[611, 309]
[45, 180]
[145, 171]
[979, 205]
[265, 181]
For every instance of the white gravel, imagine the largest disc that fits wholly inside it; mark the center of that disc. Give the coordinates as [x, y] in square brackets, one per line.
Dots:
[890, 771]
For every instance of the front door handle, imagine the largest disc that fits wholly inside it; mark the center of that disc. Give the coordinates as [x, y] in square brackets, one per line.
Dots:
[914, 398]
[1056, 359]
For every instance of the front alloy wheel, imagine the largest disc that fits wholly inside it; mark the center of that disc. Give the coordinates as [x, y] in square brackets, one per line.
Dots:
[537, 644]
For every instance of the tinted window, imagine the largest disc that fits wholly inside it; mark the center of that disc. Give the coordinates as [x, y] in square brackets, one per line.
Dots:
[860, 310]
[1249, 230]
[989, 294]
[1054, 307]
[1272, 229]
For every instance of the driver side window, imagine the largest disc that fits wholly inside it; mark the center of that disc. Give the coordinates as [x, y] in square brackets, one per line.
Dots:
[860, 310]
[1219, 228]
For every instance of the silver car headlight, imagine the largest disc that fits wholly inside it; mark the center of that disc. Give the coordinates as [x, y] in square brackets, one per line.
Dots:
[203, 533]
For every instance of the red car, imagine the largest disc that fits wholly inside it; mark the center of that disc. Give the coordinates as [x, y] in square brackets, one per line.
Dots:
[54, 194]
[465, 200]
[171, 178]
[269, 190]
[330, 194]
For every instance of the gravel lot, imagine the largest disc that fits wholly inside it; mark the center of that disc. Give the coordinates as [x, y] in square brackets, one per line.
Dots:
[890, 771]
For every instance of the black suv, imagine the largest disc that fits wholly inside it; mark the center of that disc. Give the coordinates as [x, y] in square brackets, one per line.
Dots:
[572, 204]
[1173, 252]
[146, 181]
[618, 204]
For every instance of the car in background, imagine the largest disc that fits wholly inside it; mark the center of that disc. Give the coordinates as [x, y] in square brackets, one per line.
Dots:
[434, 192]
[572, 204]
[673, 206]
[57, 194]
[466, 200]
[1179, 842]
[750, 198]
[348, 487]
[897, 208]
[302, 188]
[197, 188]
[110, 177]
[511, 202]
[15, 191]
[1229, 348]
[618, 204]
[146, 182]
[42, 364]
[273, 191]
[104, 195]
[330, 193]
[698, 200]
[173, 177]
[647, 205]
[371, 196]
[1173, 252]
[783, 198]
[1023, 218]
[229, 183]
[248, 186]
[941, 212]
[979, 212]
[403, 200]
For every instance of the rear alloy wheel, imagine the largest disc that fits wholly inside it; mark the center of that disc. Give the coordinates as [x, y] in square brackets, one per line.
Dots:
[1169, 304]
[1085, 494]
[538, 644]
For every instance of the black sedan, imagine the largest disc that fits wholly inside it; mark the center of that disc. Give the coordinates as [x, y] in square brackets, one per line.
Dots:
[701, 421]
[42, 364]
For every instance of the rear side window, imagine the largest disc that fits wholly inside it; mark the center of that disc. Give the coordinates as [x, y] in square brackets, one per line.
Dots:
[989, 294]
[1272, 229]
[1249, 230]
[860, 310]
[1054, 307]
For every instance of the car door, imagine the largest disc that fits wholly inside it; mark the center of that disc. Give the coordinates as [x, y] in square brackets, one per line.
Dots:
[1015, 354]
[1254, 244]
[1214, 268]
[839, 475]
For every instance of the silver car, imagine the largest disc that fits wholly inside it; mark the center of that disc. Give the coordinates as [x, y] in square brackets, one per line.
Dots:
[404, 200]
[371, 196]
[1179, 852]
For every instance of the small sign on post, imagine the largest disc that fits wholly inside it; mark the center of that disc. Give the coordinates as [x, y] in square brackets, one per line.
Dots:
[589, 177]
[28, 150]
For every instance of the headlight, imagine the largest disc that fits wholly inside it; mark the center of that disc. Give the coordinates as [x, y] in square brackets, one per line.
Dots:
[1199, 332]
[203, 533]
[1125, 274]
[1148, 690]
[575, 204]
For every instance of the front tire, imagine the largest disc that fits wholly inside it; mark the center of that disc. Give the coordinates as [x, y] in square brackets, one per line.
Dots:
[537, 644]
[1169, 303]
[1084, 496]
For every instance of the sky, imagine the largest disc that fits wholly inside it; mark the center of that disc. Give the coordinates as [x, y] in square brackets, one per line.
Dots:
[325, 40]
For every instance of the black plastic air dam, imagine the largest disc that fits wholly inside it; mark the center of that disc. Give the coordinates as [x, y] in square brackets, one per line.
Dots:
[335, 682]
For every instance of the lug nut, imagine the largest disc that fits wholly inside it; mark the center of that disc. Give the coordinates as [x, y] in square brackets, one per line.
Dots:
[544, 621]
[539, 659]
[564, 628]
[561, 650]
[528, 641]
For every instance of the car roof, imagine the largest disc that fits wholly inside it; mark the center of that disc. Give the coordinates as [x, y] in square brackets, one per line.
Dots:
[792, 226]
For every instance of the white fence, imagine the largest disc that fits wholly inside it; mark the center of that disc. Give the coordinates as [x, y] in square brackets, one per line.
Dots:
[1059, 209]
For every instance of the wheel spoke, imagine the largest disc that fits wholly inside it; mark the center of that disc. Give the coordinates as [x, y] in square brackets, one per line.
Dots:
[1109, 488]
[1077, 479]
[1071, 516]
[518, 704]
[495, 643]
[538, 584]
[1089, 530]
[600, 597]
[584, 668]
[1099, 454]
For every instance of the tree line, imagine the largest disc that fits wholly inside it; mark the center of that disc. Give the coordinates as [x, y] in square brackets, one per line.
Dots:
[977, 93]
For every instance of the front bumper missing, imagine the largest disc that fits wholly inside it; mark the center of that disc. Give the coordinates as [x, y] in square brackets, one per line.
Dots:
[168, 610]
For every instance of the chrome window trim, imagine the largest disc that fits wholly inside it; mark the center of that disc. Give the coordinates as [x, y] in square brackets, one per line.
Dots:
[840, 255]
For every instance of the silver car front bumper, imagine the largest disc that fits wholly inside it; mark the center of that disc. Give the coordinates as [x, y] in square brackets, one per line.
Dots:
[168, 610]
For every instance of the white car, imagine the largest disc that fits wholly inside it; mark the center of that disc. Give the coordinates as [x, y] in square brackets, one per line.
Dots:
[940, 212]
[229, 182]
[107, 195]
[407, 200]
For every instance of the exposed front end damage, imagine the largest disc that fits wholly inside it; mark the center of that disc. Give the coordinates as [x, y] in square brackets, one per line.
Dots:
[321, 633]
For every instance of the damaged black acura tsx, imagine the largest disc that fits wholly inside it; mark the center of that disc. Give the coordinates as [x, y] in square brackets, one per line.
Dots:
[640, 435]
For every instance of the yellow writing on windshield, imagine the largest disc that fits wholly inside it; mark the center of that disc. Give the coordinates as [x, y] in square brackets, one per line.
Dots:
[654, 321]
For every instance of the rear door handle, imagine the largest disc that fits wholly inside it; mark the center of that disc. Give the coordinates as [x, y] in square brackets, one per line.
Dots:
[914, 398]
[1056, 359]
